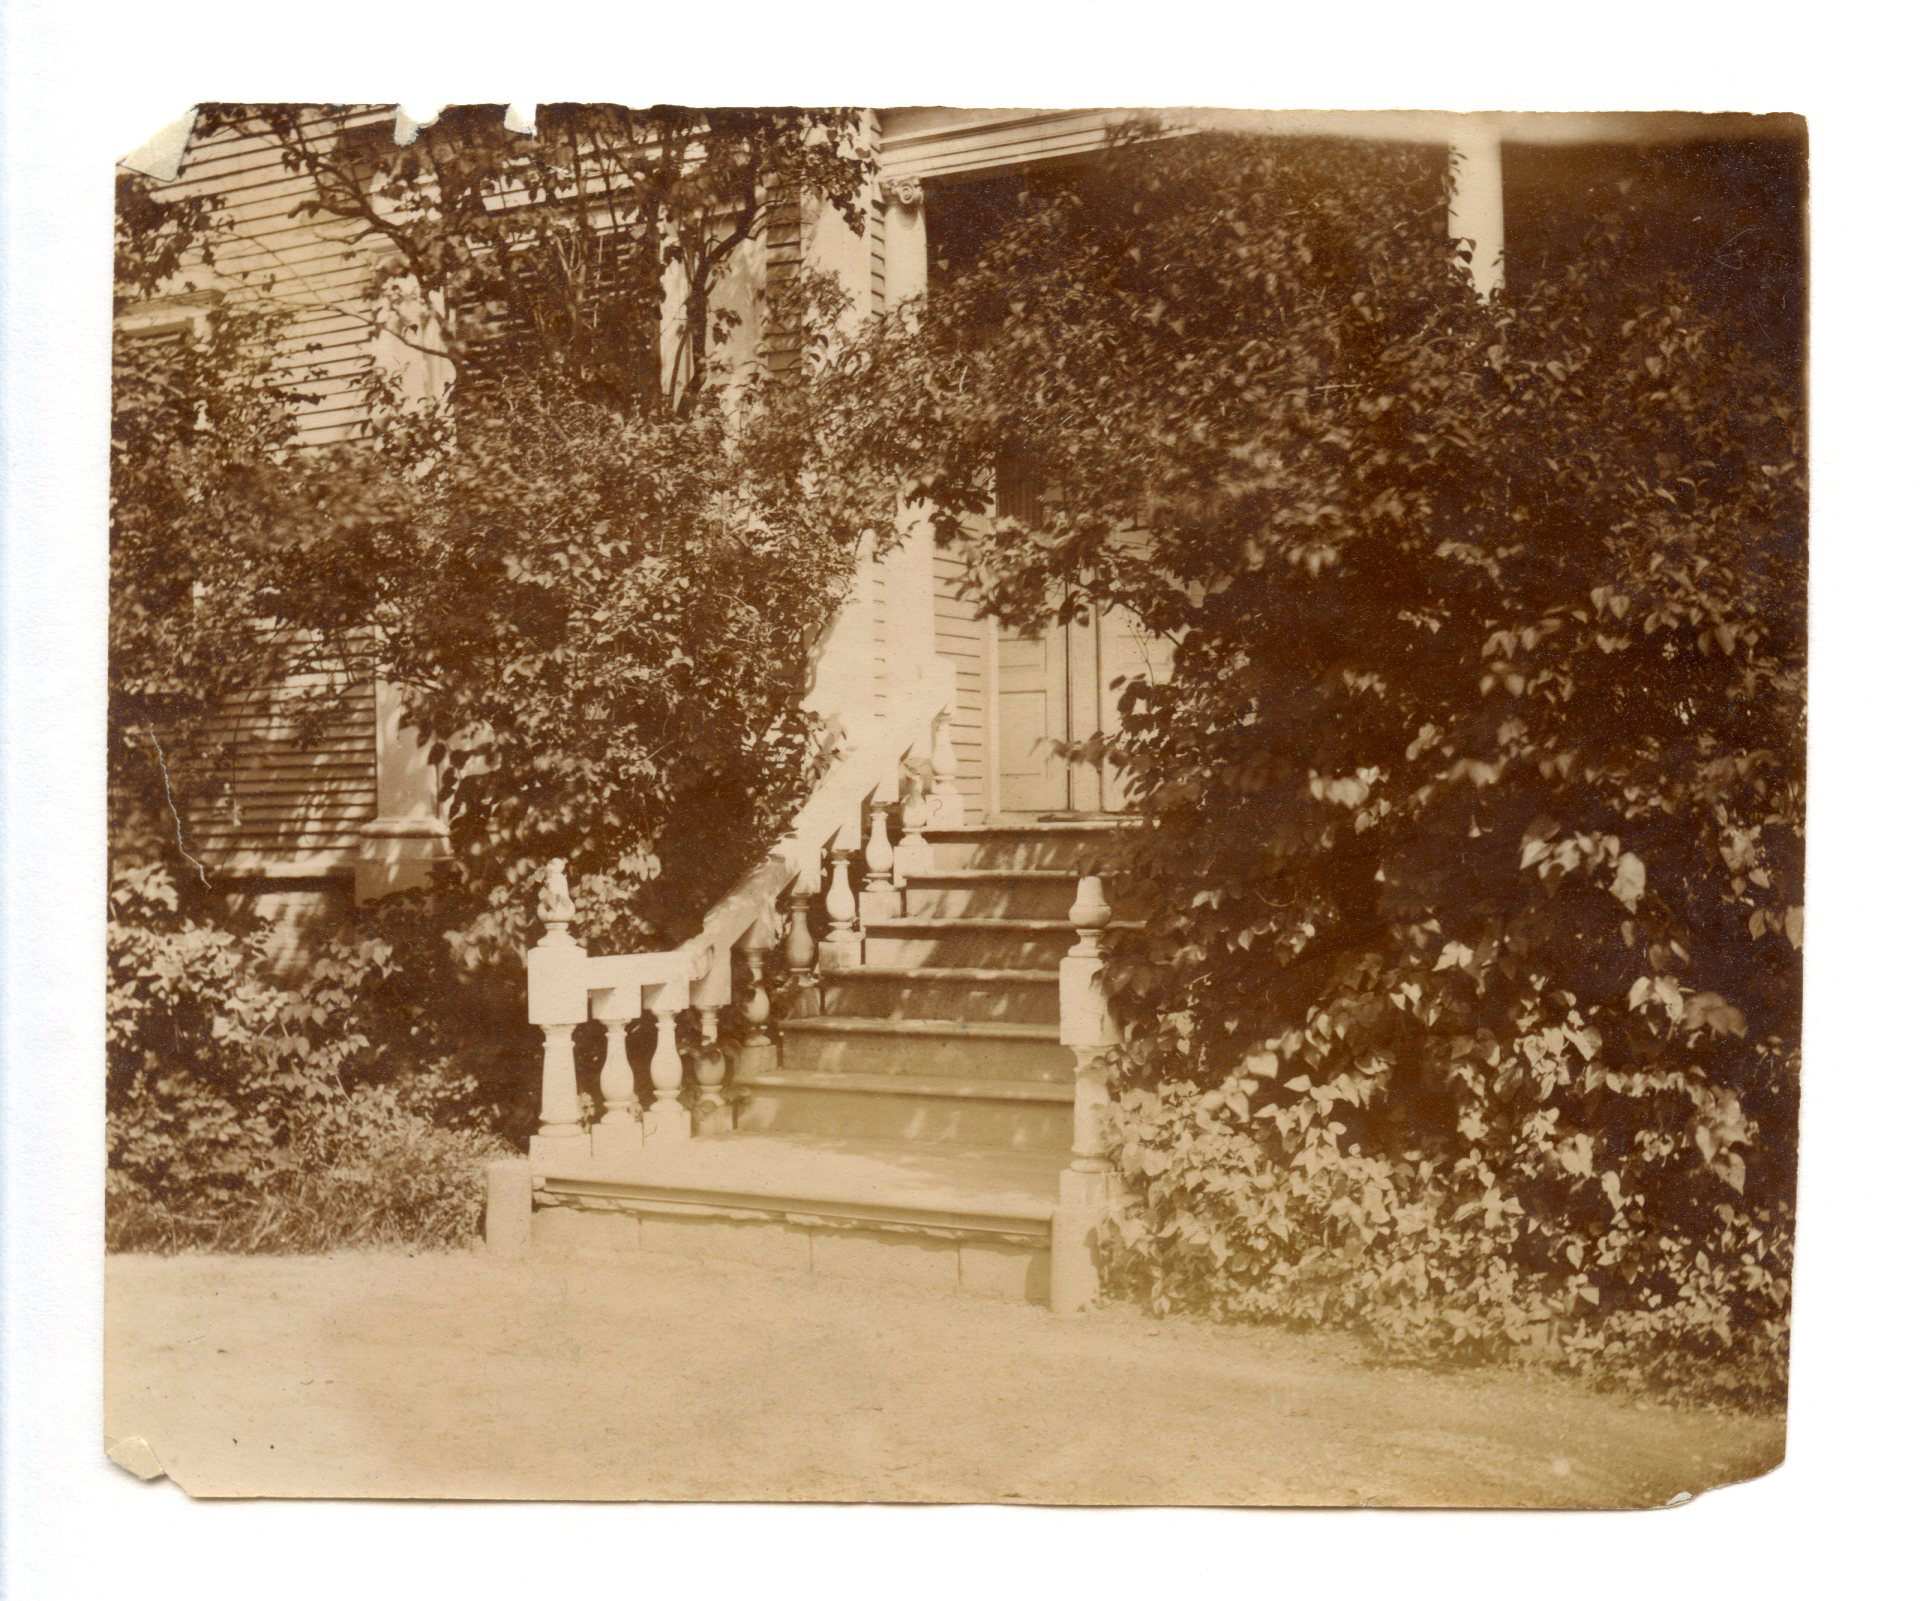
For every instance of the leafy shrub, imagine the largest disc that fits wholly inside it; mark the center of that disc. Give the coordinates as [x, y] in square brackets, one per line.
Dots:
[245, 1115]
[604, 626]
[381, 1177]
[1466, 1002]
[1284, 1216]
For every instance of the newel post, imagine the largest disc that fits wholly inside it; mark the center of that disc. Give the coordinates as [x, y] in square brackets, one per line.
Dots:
[557, 1005]
[1089, 1186]
[946, 808]
[944, 805]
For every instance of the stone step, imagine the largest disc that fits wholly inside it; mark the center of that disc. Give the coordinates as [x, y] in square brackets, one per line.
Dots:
[926, 1048]
[991, 892]
[1069, 845]
[972, 1220]
[1010, 1114]
[942, 994]
[1008, 942]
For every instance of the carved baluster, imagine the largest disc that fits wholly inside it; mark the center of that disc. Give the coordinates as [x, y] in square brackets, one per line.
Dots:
[667, 1117]
[842, 945]
[913, 856]
[561, 1116]
[618, 1083]
[1089, 1186]
[801, 954]
[878, 849]
[556, 1005]
[713, 1117]
[880, 898]
[619, 1129]
[710, 992]
[757, 1003]
[759, 1052]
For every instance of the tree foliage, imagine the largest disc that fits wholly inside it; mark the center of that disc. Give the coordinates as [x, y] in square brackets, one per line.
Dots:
[560, 250]
[605, 625]
[597, 574]
[200, 434]
[1466, 1006]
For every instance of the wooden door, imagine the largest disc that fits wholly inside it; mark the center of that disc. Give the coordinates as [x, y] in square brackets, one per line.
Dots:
[1057, 685]
[1064, 684]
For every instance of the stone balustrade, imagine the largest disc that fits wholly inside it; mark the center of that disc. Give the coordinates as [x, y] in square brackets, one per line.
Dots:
[768, 917]
[768, 910]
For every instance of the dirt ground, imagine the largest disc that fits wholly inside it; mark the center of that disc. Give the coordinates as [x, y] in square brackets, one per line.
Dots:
[660, 1378]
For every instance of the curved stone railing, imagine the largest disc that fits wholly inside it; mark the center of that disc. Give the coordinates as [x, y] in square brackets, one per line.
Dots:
[568, 986]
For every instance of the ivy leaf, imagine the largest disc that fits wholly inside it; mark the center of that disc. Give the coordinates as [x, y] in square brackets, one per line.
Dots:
[1630, 878]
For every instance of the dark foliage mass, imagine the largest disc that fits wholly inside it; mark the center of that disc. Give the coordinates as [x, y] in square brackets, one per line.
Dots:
[1466, 1006]
[597, 569]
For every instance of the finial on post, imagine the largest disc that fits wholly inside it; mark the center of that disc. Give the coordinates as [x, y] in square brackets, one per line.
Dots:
[1090, 915]
[554, 908]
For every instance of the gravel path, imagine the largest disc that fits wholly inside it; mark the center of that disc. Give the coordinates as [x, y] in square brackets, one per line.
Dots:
[653, 1377]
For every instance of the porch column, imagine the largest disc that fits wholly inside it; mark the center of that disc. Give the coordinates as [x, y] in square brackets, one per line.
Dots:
[904, 239]
[407, 834]
[911, 626]
[1475, 198]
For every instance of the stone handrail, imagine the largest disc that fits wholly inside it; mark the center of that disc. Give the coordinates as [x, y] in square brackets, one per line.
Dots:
[568, 985]
[828, 819]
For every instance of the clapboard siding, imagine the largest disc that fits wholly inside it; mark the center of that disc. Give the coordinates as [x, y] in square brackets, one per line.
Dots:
[961, 639]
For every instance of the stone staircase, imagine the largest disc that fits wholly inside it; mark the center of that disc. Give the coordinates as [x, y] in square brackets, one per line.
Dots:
[917, 1113]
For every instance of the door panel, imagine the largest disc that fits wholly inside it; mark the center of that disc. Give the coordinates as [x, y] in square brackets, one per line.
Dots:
[1126, 651]
[1032, 715]
[1084, 695]
[1058, 685]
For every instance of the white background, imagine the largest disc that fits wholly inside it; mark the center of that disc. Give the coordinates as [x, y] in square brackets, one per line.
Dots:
[86, 83]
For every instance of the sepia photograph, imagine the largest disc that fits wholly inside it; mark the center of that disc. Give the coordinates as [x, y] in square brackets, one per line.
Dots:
[947, 804]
